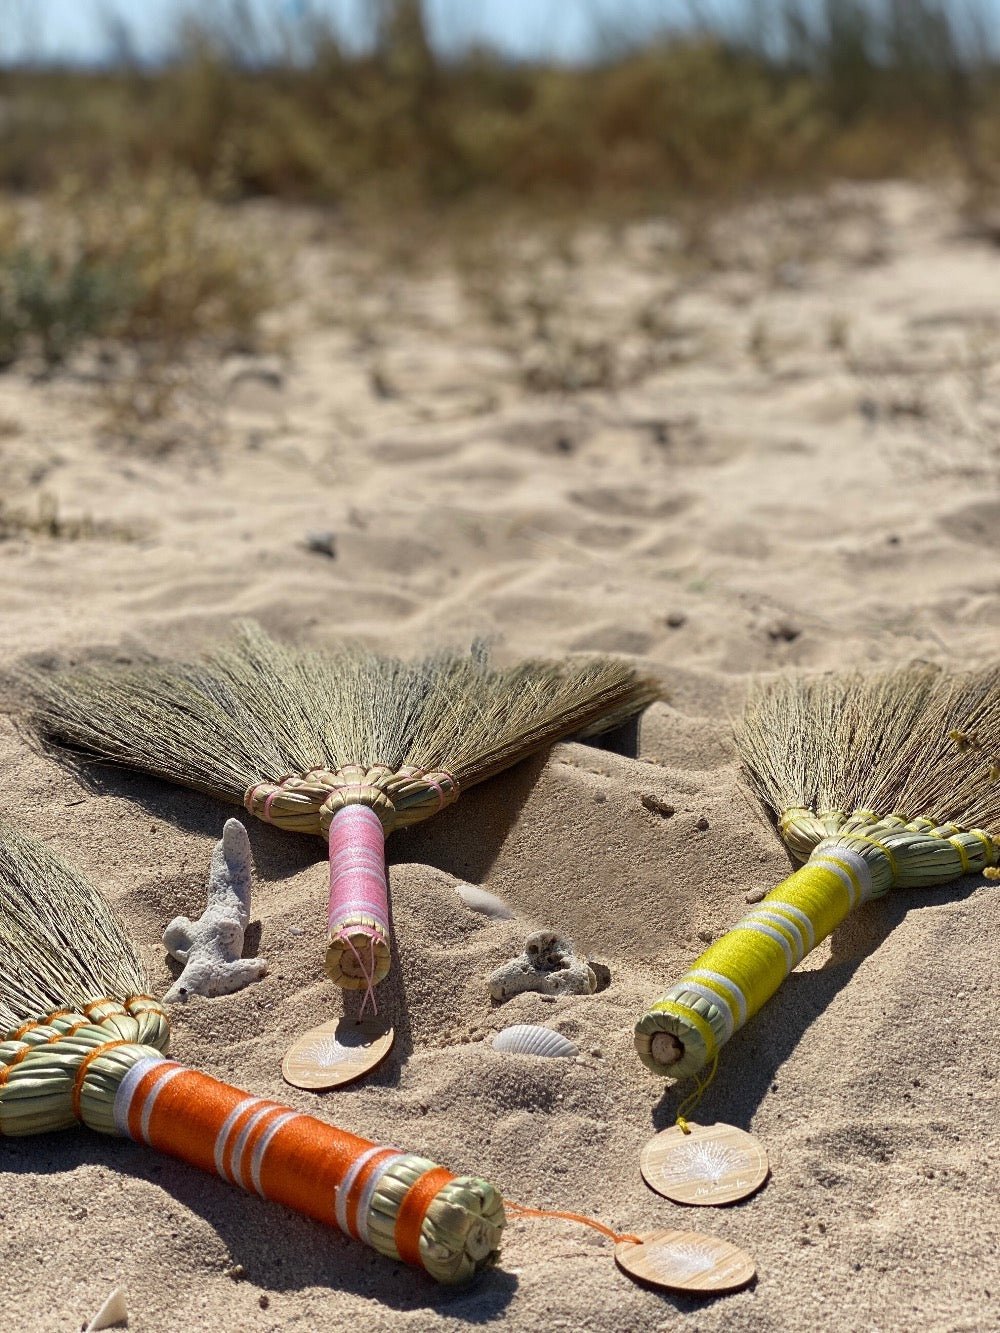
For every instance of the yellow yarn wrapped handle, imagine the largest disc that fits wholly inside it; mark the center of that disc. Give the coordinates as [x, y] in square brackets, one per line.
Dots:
[684, 1030]
[862, 858]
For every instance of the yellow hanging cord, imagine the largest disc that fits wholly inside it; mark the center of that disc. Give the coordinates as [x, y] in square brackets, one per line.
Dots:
[692, 1100]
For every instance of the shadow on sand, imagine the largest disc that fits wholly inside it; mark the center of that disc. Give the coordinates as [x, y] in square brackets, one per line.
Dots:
[310, 1255]
[756, 1053]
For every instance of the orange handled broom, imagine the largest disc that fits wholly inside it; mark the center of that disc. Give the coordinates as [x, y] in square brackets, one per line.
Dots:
[82, 1041]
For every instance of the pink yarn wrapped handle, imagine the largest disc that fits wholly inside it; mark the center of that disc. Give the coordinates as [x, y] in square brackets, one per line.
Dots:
[359, 893]
[358, 884]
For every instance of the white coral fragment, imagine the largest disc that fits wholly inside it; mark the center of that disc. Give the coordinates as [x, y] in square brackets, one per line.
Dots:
[211, 948]
[548, 966]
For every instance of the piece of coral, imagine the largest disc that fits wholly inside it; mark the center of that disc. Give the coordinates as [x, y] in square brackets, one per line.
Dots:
[548, 965]
[211, 948]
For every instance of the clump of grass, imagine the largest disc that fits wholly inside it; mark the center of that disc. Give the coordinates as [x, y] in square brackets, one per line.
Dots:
[561, 335]
[51, 303]
[980, 211]
[45, 521]
[160, 406]
[148, 261]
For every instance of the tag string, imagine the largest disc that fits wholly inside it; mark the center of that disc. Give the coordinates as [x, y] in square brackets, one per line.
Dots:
[519, 1210]
[688, 1104]
[367, 973]
[692, 1100]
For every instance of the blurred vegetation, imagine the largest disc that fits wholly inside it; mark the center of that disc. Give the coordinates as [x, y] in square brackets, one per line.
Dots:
[147, 260]
[45, 520]
[797, 92]
[138, 165]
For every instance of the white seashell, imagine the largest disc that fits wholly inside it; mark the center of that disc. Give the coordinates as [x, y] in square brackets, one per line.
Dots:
[481, 900]
[112, 1314]
[531, 1039]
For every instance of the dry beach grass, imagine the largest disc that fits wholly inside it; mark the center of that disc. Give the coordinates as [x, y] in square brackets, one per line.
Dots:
[777, 447]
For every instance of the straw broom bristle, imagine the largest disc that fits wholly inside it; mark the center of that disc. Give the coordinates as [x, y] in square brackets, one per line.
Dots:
[256, 710]
[916, 742]
[61, 944]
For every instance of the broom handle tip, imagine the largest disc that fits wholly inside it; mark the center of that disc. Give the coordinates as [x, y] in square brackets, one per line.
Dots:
[665, 1049]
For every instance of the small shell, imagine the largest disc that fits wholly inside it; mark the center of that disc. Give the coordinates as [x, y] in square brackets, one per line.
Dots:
[481, 900]
[530, 1039]
[112, 1314]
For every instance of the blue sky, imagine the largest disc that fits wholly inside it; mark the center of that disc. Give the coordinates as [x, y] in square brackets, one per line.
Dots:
[77, 30]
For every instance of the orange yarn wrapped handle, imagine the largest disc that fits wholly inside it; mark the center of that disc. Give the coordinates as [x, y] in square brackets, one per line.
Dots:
[268, 1148]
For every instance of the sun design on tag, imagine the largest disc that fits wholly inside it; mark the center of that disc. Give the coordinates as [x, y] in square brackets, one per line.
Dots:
[705, 1161]
[683, 1260]
[325, 1052]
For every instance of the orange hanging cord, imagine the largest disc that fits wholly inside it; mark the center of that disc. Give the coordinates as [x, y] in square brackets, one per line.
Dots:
[519, 1210]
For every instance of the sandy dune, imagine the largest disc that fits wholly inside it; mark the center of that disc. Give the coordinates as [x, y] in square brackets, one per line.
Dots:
[780, 452]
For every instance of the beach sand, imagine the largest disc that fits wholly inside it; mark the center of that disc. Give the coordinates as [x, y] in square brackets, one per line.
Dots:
[783, 452]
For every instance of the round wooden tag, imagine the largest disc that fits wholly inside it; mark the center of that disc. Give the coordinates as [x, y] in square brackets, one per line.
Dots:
[713, 1164]
[685, 1261]
[336, 1052]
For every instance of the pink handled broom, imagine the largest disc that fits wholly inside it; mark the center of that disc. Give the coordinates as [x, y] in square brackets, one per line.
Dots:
[347, 745]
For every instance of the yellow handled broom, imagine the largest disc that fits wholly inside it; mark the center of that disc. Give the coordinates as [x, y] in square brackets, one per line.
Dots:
[880, 781]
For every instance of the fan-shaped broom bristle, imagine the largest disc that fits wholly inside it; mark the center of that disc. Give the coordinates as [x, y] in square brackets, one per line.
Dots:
[914, 742]
[823, 742]
[950, 769]
[257, 710]
[62, 945]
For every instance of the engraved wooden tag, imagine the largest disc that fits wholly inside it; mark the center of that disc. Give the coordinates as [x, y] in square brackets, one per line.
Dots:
[336, 1052]
[714, 1164]
[686, 1261]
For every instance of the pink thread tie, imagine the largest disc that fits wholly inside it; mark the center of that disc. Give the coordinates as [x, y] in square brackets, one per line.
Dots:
[276, 789]
[369, 975]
